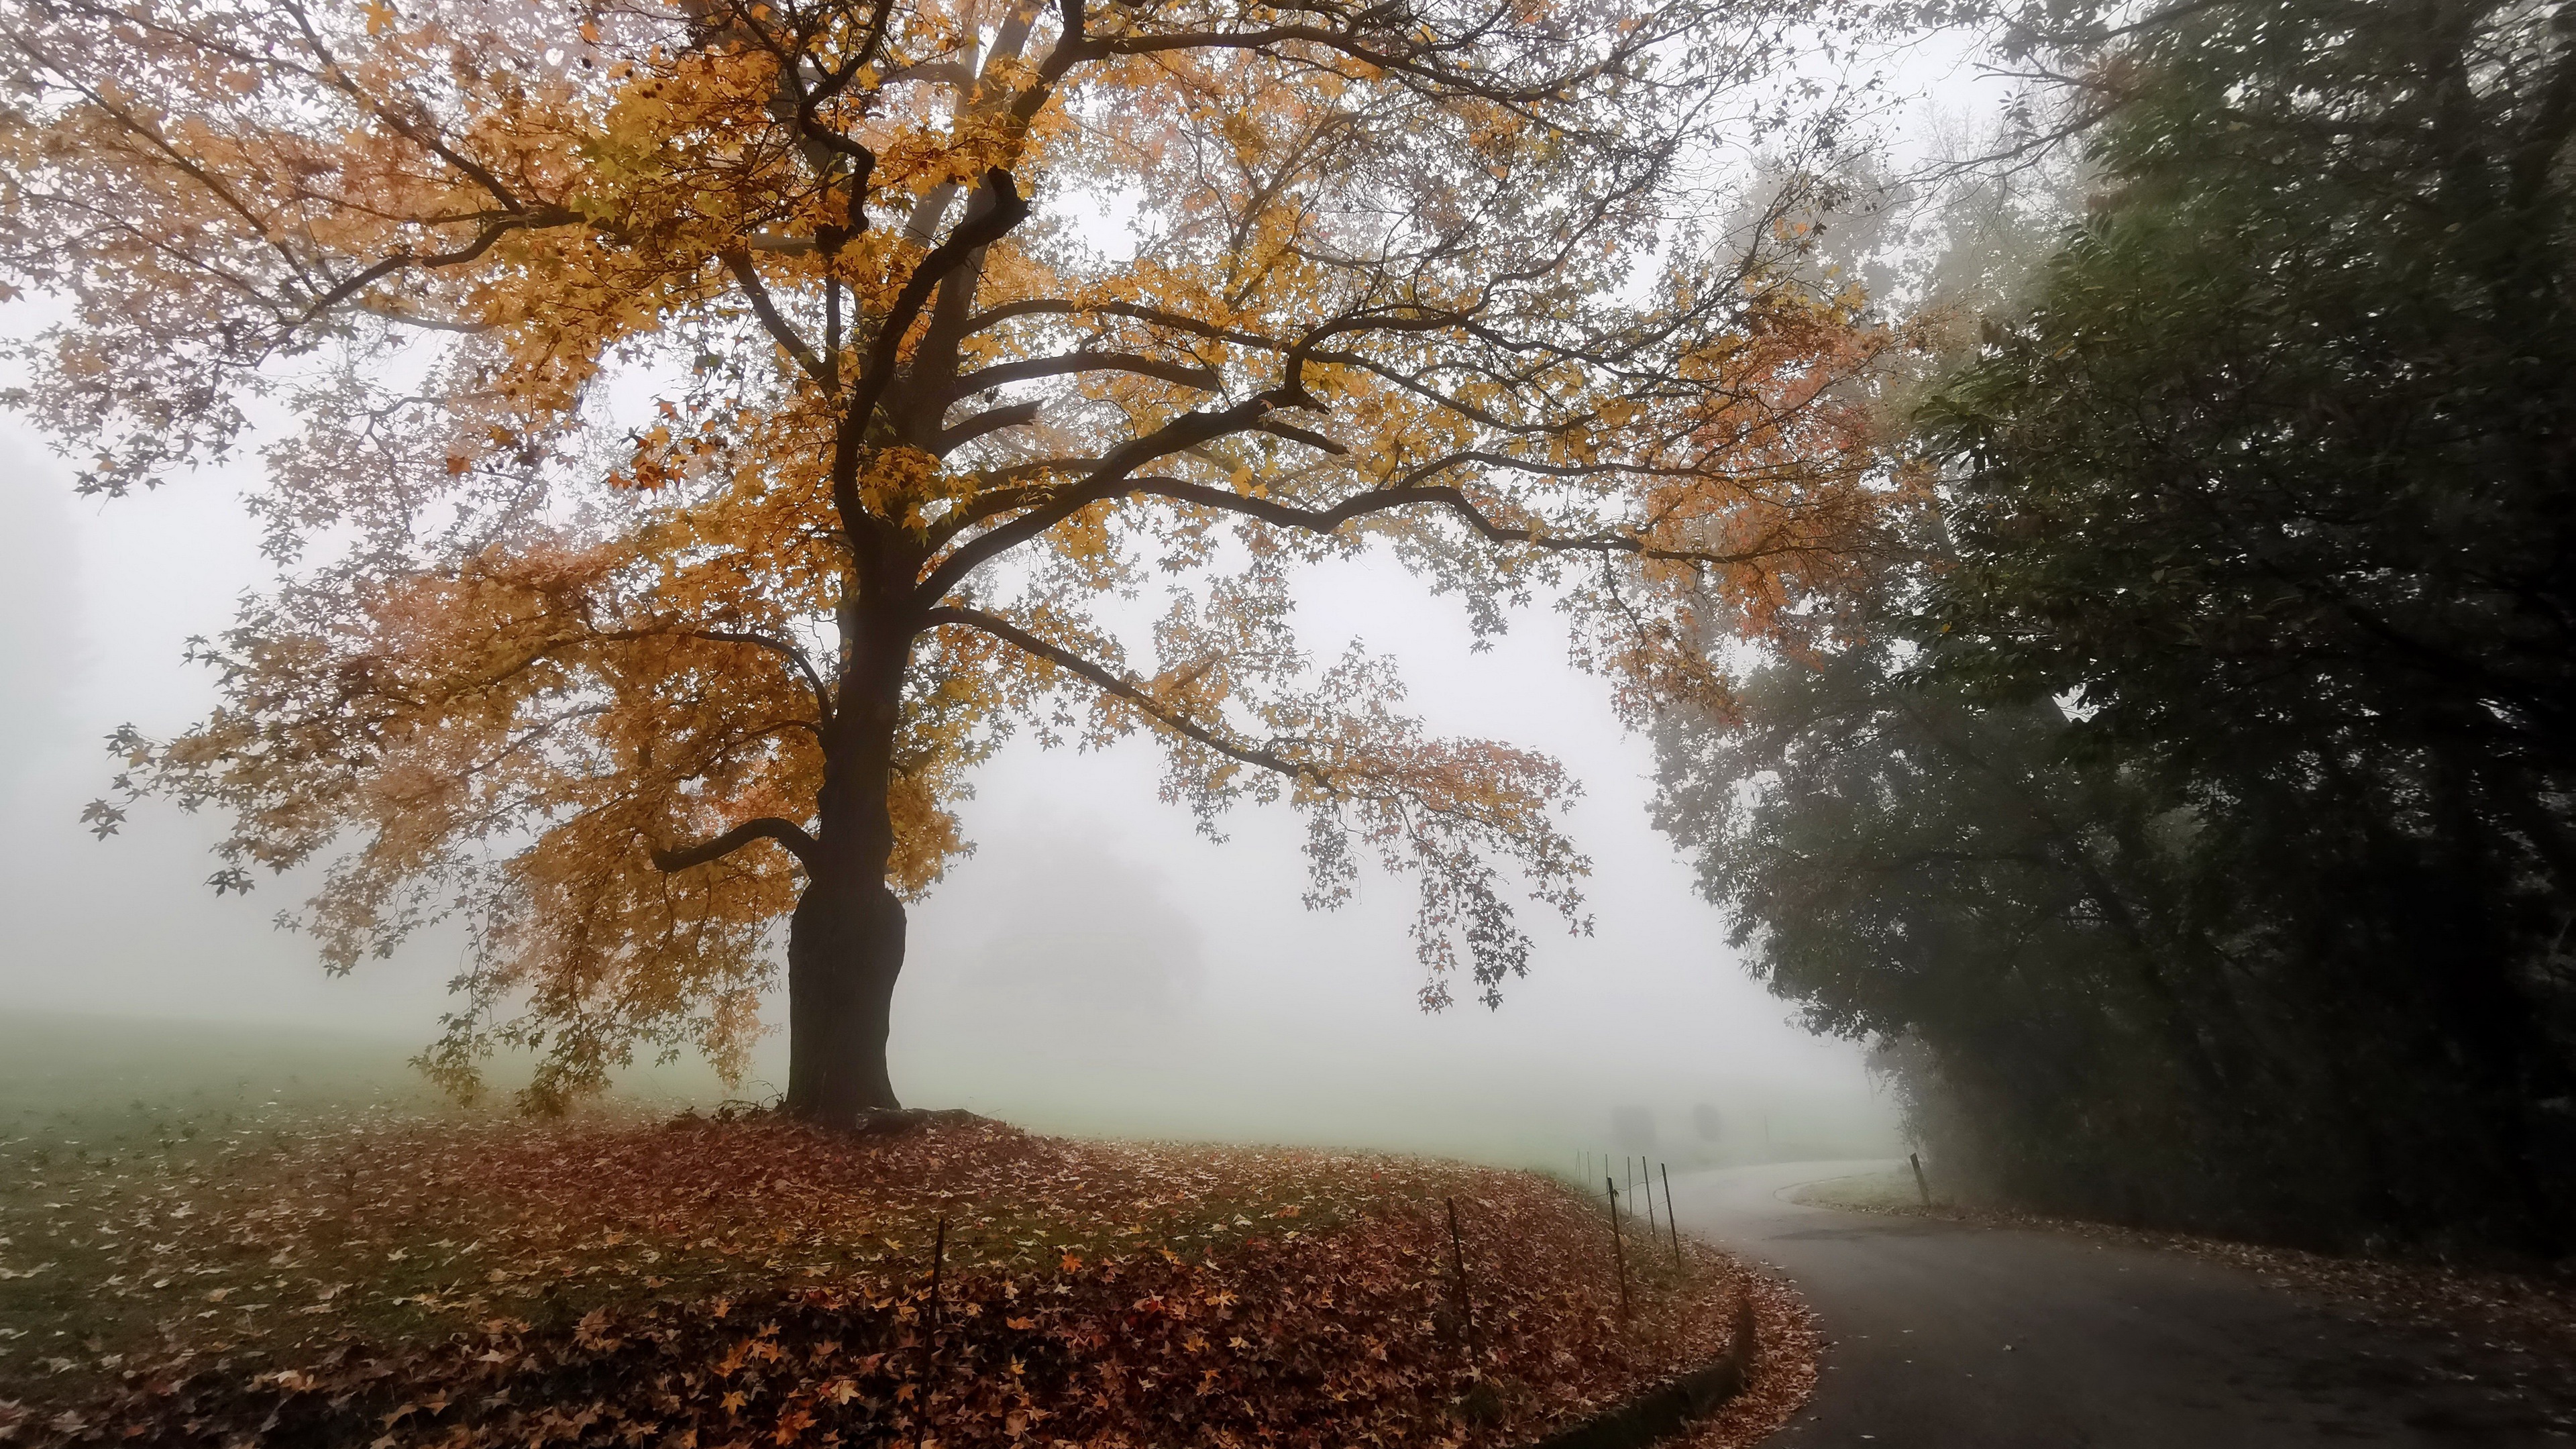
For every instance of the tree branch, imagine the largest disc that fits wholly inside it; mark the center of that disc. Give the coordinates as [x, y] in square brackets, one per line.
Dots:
[975, 232]
[1153, 316]
[739, 263]
[1124, 688]
[768, 827]
[1384, 500]
[876, 374]
[492, 232]
[1107, 481]
[1282, 428]
[781, 647]
[991, 420]
[985, 379]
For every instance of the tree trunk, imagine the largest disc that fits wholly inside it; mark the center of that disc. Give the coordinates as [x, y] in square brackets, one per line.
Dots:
[844, 950]
[845, 940]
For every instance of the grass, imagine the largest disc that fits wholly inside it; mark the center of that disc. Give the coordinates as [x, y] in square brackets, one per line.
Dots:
[315, 1244]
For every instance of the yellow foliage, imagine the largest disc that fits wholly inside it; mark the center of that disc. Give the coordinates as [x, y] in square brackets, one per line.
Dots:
[706, 405]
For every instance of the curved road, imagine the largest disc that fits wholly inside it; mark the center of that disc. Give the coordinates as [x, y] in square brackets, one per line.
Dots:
[1956, 1336]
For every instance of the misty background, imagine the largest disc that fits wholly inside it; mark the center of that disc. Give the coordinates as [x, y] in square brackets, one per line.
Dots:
[1095, 967]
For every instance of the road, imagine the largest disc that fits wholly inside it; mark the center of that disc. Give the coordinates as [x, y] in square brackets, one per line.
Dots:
[1955, 1336]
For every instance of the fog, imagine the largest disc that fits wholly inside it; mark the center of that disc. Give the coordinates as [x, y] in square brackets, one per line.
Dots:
[1096, 966]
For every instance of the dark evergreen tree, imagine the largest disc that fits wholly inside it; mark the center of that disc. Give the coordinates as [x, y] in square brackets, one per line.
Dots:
[2216, 829]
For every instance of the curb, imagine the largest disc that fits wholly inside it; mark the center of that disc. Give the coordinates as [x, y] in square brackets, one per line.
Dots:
[1670, 1405]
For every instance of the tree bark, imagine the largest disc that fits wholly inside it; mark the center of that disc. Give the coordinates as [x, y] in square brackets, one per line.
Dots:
[845, 942]
[844, 950]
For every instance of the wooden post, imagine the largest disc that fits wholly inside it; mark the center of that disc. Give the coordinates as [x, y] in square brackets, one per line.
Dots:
[1650, 1203]
[1618, 1247]
[938, 1260]
[1920, 1185]
[929, 1334]
[1670, 1221]
[1466, 1305]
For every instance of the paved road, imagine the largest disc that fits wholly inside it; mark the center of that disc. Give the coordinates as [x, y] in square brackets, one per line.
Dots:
[1951, 1336]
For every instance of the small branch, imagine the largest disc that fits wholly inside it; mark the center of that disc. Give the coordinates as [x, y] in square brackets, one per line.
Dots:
[985, 379]
[739, 263]
[768, 827]
[1108, 480]
[1383, 500]
[1152, 316]
[992, 420]
[492, 232]
[1281, 428]
[781, 647]
[1124, 688]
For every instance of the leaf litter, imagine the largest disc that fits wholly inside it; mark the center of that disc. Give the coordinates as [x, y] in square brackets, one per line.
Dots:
[400, 1280]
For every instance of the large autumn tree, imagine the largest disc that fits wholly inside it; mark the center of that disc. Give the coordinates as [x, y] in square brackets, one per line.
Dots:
[701, 431]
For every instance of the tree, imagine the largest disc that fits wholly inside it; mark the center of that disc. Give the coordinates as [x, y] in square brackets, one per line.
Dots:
[718, 427]
[2276, 481]
[2204, 808]
[1912, 866]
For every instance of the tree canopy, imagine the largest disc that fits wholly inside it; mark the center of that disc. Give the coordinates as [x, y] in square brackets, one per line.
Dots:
[2204, 811]
[712, 428]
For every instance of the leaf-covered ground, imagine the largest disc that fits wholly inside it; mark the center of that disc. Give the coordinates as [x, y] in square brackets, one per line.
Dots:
[405, 1280]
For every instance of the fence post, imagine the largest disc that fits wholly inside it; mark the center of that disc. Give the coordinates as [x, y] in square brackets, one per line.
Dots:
[930, 1334]
[1466, 1304]
[1920, 1185]
[1670, 1221]
[1618, 1246]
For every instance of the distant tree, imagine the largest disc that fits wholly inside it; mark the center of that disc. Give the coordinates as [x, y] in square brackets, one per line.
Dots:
[2206, 806]
[716, 425]
[1916, 866]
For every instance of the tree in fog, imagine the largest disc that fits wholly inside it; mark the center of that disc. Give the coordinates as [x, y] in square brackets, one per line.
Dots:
[2210, 814]
[717, 430]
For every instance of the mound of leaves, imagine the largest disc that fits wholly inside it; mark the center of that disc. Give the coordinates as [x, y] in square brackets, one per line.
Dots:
[752, 1282]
